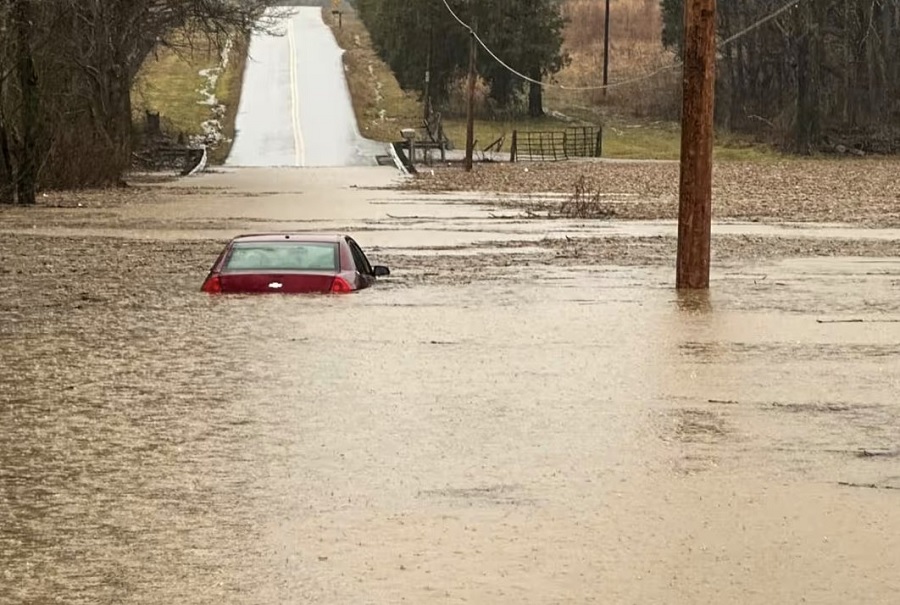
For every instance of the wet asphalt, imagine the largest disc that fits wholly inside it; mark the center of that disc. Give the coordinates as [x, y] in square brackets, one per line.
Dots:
[295, 108]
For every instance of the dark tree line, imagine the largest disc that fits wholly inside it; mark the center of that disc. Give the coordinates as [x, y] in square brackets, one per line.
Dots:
[415, 36]
[67, 68]
[822, 73]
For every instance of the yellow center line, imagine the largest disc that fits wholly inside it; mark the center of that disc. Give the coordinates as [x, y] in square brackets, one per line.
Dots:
[299, 148]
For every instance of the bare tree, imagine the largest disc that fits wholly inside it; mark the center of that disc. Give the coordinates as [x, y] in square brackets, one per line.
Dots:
[23, 18]
[67, 68]
[824, 71]
[7, 171]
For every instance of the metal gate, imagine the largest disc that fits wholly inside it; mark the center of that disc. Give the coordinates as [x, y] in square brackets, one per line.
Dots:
[556, 145]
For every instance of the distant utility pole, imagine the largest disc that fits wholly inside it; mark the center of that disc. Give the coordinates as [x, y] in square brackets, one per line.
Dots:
[428, 62]
[606, 50]
[470, 107]
[695, 190]
[427, 104]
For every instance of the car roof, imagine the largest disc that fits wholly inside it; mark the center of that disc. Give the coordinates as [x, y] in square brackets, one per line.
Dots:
[285, 236]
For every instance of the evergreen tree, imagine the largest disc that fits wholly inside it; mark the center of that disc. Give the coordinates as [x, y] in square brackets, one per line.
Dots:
[525, 34]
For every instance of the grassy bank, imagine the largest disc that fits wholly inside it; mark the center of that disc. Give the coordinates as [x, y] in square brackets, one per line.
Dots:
[623, 138]
[382, 107]
[171, 83]
[229, 94]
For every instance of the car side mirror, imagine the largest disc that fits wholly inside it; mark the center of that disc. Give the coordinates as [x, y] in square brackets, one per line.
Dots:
[381, 271]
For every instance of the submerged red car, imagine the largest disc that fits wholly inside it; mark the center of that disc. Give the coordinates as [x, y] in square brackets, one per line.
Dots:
[291, 263]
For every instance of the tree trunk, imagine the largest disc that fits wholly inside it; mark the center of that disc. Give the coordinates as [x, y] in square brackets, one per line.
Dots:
[740, 84]
[847, 42]
[535, 96]
[727, 100]
[7, 168]
[893, 48]
[120, 127]
[26, 185]
[885, 57]
[807, 127]
[502, 90]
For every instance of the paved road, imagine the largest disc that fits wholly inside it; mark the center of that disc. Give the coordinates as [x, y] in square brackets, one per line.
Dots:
[295, 109]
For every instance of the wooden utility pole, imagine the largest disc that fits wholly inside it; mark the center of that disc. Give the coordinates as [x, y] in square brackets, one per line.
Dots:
[606, 50]
[695, 193]
[470, 106]
[428, 60]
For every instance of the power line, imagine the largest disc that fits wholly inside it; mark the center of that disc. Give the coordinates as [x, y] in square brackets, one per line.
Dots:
[791, 4]
[761, 22]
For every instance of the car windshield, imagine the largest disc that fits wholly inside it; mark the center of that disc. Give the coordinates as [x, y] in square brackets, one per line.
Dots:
[283, 256]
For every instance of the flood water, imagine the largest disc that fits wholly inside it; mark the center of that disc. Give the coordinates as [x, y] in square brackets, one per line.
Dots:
[549, 435]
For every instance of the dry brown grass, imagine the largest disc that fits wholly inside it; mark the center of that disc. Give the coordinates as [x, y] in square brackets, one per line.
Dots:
[632, 21]
[635, 51]
[586, 202]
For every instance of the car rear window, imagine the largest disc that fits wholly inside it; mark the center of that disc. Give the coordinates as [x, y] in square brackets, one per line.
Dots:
[286, 256]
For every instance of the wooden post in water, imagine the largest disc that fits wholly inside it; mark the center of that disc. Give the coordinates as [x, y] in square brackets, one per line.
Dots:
[695, 190]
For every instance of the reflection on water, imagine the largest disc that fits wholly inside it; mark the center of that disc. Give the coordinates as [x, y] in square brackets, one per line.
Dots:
[483, 442]
[694, 301]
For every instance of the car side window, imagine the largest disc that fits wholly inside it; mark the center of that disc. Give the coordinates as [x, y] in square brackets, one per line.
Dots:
[359, 257]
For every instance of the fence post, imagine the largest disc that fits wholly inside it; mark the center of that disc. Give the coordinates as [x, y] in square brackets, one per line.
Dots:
[513, 146]
[598, 146]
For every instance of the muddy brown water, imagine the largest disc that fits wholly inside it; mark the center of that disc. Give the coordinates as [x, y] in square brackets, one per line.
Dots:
[529, 434]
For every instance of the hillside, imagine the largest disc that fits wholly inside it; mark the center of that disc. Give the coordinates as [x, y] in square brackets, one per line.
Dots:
[635, 51]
